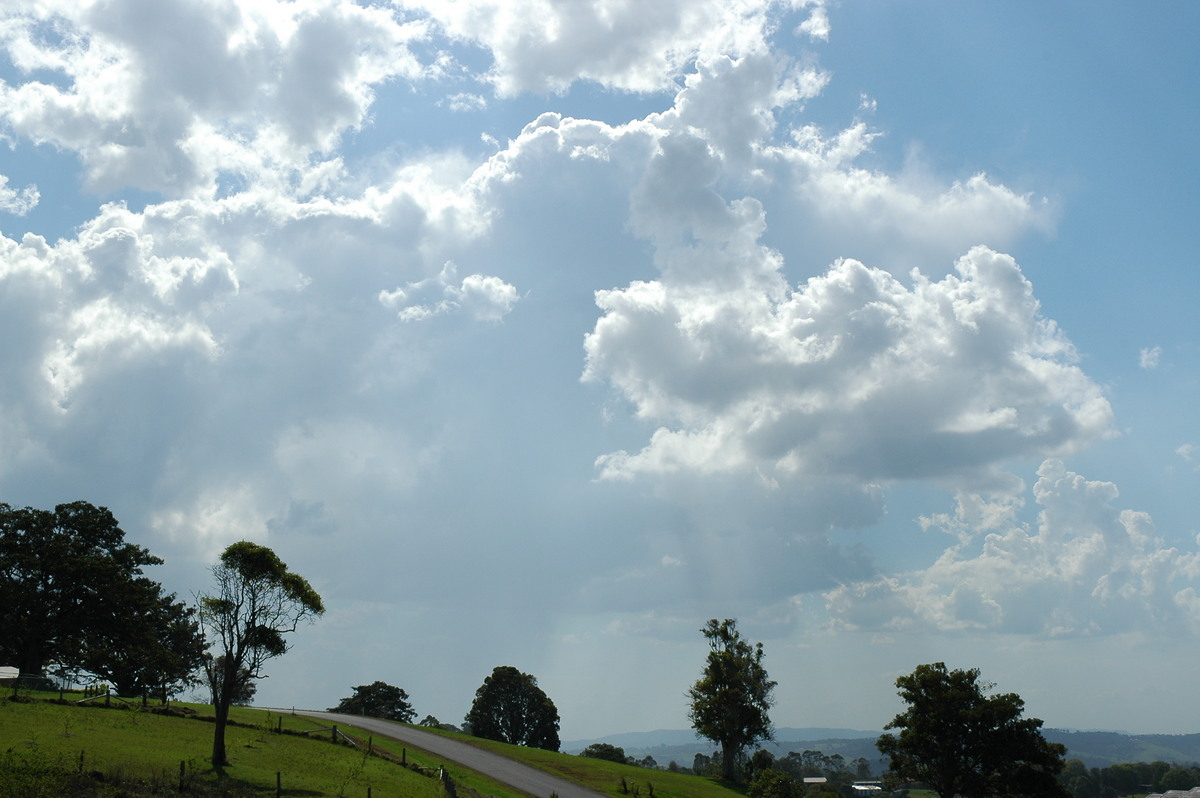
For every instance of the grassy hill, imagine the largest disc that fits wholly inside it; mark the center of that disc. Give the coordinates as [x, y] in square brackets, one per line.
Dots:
[52, 749]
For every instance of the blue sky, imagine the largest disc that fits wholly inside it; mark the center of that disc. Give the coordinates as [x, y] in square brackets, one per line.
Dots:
[540, 333]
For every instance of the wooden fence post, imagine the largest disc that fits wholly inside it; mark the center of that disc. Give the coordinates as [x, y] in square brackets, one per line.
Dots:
[333, 735]
[181, 770]
[278, 784]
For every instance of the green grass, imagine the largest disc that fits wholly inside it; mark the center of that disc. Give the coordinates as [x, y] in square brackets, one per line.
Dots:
[128, 744]
[132, 744]
[605, 777]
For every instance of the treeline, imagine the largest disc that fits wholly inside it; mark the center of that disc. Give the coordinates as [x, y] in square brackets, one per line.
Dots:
[839, 775]
[1130, 778]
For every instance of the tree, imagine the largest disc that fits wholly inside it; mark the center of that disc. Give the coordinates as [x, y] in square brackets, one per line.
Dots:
[962, 742]
[255, 602]
[729, 702]
[378, 700]
[605, 751]
[67, 581]
[156, 649]
[771, 783]
[510, 707]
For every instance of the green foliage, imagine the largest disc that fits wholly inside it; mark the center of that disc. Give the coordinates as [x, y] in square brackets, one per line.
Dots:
[74, 595]
[962, 742]
[510, 707]
[730, 701]
[605, 751]
[771, 783]
[1127, 778]
[378, 700]
[157, 649]
[256, 602]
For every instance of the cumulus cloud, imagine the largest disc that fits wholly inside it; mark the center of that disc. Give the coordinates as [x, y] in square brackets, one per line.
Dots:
[1087, 567]
[1148, 358]
[547, 45]
[17, 202]
[166, 97]
[817, 25]
[851, 373]
[484, 298]
[915, 212]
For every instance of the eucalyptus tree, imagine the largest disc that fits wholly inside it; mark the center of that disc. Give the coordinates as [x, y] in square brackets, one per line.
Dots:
[255, 601]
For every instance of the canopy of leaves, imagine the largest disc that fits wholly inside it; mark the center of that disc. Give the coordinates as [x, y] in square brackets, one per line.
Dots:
[605, 751]
[255, 602]
[730, 701]
[510, 707]
[378, 700]
[962, 742]
[74, 595]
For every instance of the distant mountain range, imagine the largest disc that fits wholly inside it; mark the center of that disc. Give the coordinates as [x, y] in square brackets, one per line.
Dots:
[1093, 748]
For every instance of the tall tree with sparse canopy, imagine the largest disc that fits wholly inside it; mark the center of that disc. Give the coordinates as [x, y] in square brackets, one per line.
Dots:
[962, 742]
[730, 701]
[256, 601]
[510, 707]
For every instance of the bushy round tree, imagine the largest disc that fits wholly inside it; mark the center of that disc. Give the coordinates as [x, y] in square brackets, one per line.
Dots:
[510, 707]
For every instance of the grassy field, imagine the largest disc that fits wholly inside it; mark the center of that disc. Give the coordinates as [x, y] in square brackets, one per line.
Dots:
[112, 746]
[114, 750]
[606, 777]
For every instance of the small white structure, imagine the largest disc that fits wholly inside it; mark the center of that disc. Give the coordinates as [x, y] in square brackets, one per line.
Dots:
[8, 673]
[1192, 793]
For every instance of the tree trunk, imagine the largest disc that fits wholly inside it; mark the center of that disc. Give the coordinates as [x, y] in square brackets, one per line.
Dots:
[728, 760]
[218, 750]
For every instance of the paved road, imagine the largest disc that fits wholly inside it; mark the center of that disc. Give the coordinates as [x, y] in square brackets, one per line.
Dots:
[502, 769]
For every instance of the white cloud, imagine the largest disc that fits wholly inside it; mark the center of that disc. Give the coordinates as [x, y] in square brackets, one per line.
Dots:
[547, 45]
[167, 96]
[852, 373]
[1148, 358]
[817, 25]
[482, 297]
[914, 212]
[17, 202]
[1086, 568]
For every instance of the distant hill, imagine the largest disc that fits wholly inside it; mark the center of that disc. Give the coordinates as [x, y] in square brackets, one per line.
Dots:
[1093, 748]
[1100, 749]
[682, 745]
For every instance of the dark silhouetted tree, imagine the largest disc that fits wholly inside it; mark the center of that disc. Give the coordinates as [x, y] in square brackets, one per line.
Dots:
[255, 602]
[157, 649]
[378, 700]
[730, 701]
[962, 742]
[510, 707]
[605, 751]
[68, 584]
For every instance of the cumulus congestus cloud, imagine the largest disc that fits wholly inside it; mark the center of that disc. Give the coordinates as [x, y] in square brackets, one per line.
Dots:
[852, 373]
[1086, 567]
[327, 274]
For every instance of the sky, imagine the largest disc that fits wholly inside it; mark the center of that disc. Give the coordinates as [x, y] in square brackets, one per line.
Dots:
[539, 333]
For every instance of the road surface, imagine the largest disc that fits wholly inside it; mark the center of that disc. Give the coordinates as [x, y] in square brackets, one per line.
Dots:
[502, 769]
